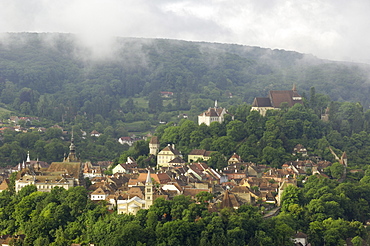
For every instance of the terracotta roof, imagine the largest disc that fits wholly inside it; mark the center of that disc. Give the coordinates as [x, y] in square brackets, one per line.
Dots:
[240, 189]
[136, 191]
[177, 160]
[229, 201]
[198, 167]
[197, 152]
[154, 140]
[169, 148]
[72, 168]
[98, 191]
[160, 178]
[279, 97]
[4, 185]
[193, 191]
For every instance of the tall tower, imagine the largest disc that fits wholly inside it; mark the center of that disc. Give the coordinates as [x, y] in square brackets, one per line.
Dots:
[148, 191]
[72, 152]
[154, 145]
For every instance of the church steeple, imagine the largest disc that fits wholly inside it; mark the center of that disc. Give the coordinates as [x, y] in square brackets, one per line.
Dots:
[294, 87]
[28, 158]
[148, 191]
[72, 152]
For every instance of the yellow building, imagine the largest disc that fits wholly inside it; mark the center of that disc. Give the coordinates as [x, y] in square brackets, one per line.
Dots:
[166, 155]
[196, 154]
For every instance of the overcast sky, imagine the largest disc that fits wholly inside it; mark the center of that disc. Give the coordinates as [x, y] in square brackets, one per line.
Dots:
[331, 29]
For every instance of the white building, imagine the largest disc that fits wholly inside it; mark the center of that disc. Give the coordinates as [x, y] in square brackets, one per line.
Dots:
[216, 114]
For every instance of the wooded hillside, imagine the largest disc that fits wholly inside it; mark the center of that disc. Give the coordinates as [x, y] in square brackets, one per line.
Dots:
[56, 76]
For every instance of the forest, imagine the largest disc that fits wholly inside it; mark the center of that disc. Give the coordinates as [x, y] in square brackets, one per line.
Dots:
[54, 77]
[328, 210]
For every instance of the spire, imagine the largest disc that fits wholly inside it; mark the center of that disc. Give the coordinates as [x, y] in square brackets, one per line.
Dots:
[148, 179]
[28, 157]
[215, 103]
[148, 191]
[294, 88]
[72, 151]
[226, 201]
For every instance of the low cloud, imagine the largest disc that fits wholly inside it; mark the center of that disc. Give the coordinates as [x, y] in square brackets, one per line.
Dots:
[333, 29]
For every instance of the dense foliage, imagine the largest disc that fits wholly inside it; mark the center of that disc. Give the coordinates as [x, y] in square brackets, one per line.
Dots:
[55, 76]
[52, 145]
[270, 139]
[327, 211]
[63, 217]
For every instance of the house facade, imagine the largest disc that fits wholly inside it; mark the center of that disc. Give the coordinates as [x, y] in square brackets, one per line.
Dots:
[166, 155]
[196, 154]
[216, 114]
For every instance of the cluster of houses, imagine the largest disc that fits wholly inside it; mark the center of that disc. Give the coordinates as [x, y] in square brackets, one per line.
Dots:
[131, 188]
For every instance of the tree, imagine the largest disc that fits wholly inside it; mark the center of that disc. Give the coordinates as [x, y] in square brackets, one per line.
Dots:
[336, 170]
[235, 129]
[155, 102]
[224, 145]
[291, 195]
[217, 161]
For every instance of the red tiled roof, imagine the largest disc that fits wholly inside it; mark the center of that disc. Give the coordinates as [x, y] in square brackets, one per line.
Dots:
[279, 97]
[154, 140]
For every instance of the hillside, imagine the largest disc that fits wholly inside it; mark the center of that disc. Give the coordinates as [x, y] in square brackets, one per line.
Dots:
[58, 77]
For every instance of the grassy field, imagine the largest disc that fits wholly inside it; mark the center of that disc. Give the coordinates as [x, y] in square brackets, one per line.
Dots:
[4, 112]
[142, 102]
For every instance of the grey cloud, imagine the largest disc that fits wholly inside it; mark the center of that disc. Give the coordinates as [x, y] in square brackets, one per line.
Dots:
[332, 29]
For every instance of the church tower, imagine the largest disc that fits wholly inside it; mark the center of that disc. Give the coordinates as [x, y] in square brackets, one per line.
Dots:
[148, 191]
[72, 152]
[154, 146]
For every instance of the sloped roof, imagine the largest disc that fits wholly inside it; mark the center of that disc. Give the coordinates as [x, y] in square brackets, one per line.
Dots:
[98, 191]
[240, 189]
[160, 178]
[197, 152]
[279, 97]
[4, 185]
[214, 112]
[193, 191]
[72, 168]
[177, 160]
[261, 102]
[154, 140]
[169, 148]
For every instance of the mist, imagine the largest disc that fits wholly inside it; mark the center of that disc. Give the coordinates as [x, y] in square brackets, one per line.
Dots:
[333, 29]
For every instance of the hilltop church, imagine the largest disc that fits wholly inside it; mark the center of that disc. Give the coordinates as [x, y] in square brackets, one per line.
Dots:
[275, 99]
